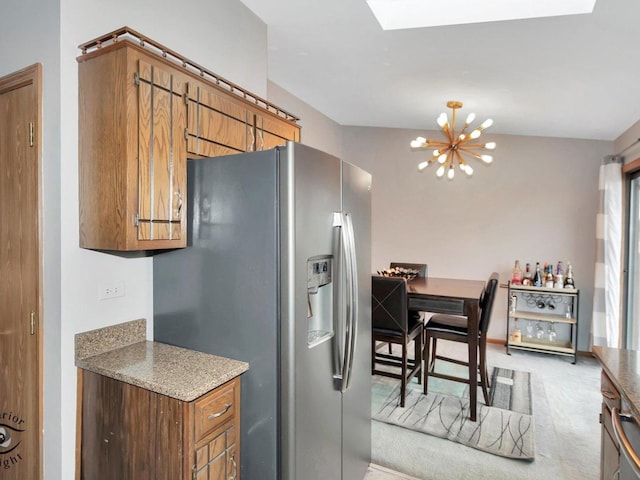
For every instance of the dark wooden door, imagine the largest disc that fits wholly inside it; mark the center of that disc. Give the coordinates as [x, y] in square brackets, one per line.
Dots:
[20, 351]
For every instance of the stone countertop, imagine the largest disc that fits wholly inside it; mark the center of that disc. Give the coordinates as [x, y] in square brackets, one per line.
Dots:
[623, 367]
[173, 371]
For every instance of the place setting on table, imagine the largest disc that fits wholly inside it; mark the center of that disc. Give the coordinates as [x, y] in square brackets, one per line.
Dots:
[407, 273]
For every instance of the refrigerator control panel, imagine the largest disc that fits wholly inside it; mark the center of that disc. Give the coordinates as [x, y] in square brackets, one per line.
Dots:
[318, 272]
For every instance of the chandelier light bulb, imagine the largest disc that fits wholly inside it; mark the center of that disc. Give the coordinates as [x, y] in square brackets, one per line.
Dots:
[456, 145]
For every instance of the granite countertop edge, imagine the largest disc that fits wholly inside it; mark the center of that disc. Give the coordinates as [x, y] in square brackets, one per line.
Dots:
[623, 368]
[173, 371]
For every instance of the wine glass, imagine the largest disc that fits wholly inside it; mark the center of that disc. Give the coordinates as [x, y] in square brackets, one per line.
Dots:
[553, 335]
[539, 332]
[529, 329]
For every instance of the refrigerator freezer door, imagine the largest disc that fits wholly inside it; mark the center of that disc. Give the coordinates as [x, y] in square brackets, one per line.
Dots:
[356, 402]
[220, 295]
[309, 194]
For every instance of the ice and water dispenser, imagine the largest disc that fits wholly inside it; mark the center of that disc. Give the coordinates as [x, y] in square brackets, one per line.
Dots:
[319, 299]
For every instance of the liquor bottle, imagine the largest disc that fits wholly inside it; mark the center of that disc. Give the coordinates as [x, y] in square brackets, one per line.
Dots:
[527, 280]
[559, 283]
[516, 278]
[568, 281]
[548, 282]
[537, 276]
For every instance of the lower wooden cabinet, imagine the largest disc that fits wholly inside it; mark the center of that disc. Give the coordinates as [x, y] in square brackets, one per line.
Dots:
[609, 453]
[128, 432]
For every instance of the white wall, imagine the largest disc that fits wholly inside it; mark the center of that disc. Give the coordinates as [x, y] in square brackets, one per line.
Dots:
[222, 35]
[536, 202]
[29, 34]
[317, 130]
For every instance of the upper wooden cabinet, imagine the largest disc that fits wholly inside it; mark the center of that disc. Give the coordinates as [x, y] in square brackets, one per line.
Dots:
[132, 151]
[143, 110]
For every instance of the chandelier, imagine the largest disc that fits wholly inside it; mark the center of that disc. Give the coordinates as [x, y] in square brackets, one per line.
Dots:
[450, 152]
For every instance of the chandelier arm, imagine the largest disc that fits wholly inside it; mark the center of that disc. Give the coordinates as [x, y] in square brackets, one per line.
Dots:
[471, 152]
[461, 161]
[448, 132]
[434, 143]
[464, 145]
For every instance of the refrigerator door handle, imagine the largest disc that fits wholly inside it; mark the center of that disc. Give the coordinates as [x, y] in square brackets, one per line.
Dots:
[343, 220]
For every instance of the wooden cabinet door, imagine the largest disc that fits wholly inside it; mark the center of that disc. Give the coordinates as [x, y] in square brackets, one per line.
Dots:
[217, 123]
[216, 459]
[128, 432]
[162, 153]
[272, 132]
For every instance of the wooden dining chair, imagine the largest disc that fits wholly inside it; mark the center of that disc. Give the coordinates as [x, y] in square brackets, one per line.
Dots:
[422, 272]
[454, 328]
[390, 323]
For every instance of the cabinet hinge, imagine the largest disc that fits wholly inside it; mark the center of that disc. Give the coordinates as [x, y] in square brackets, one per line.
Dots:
[33, 323]
[31, 134]
[186, 98]
[136, 78]
[136, 219]
[194, 472]
[186, 134]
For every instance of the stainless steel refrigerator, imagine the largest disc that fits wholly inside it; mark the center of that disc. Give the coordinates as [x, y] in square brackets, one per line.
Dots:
[277, 273]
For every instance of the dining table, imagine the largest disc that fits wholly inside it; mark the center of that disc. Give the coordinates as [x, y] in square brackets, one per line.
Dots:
[454, 297]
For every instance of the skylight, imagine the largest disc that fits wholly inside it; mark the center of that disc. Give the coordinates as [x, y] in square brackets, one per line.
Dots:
[400, 14]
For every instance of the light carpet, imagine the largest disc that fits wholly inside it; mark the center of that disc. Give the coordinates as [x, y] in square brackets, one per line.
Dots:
[506, 428]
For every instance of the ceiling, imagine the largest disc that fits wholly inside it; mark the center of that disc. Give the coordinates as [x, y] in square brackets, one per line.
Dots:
[572, 76]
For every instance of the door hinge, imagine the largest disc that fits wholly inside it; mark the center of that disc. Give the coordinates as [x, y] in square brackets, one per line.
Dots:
[136, 78]
[33, 323]
[31, 134]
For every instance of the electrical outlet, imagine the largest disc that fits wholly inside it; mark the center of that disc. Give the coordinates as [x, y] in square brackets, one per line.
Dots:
[111, 290]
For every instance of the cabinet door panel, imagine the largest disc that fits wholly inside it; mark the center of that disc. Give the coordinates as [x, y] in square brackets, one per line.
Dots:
[271, 132]
[217, 125]
[162, 153]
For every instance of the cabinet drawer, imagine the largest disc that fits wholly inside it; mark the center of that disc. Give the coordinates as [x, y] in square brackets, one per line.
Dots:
[214, 409]
[610, 395]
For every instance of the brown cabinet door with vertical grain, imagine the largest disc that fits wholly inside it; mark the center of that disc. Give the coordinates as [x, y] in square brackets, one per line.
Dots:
[129, 432]
[218, 123]
[20, 391]
[162, 153]
[273, 132]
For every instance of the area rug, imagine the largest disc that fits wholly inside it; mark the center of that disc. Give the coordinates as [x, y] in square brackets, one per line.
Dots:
[506, 428]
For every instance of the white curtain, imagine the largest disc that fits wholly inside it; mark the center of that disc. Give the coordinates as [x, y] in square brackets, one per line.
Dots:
[605, 324]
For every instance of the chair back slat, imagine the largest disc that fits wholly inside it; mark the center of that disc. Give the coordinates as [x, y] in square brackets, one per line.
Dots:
[486, 304]
[389, 303]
